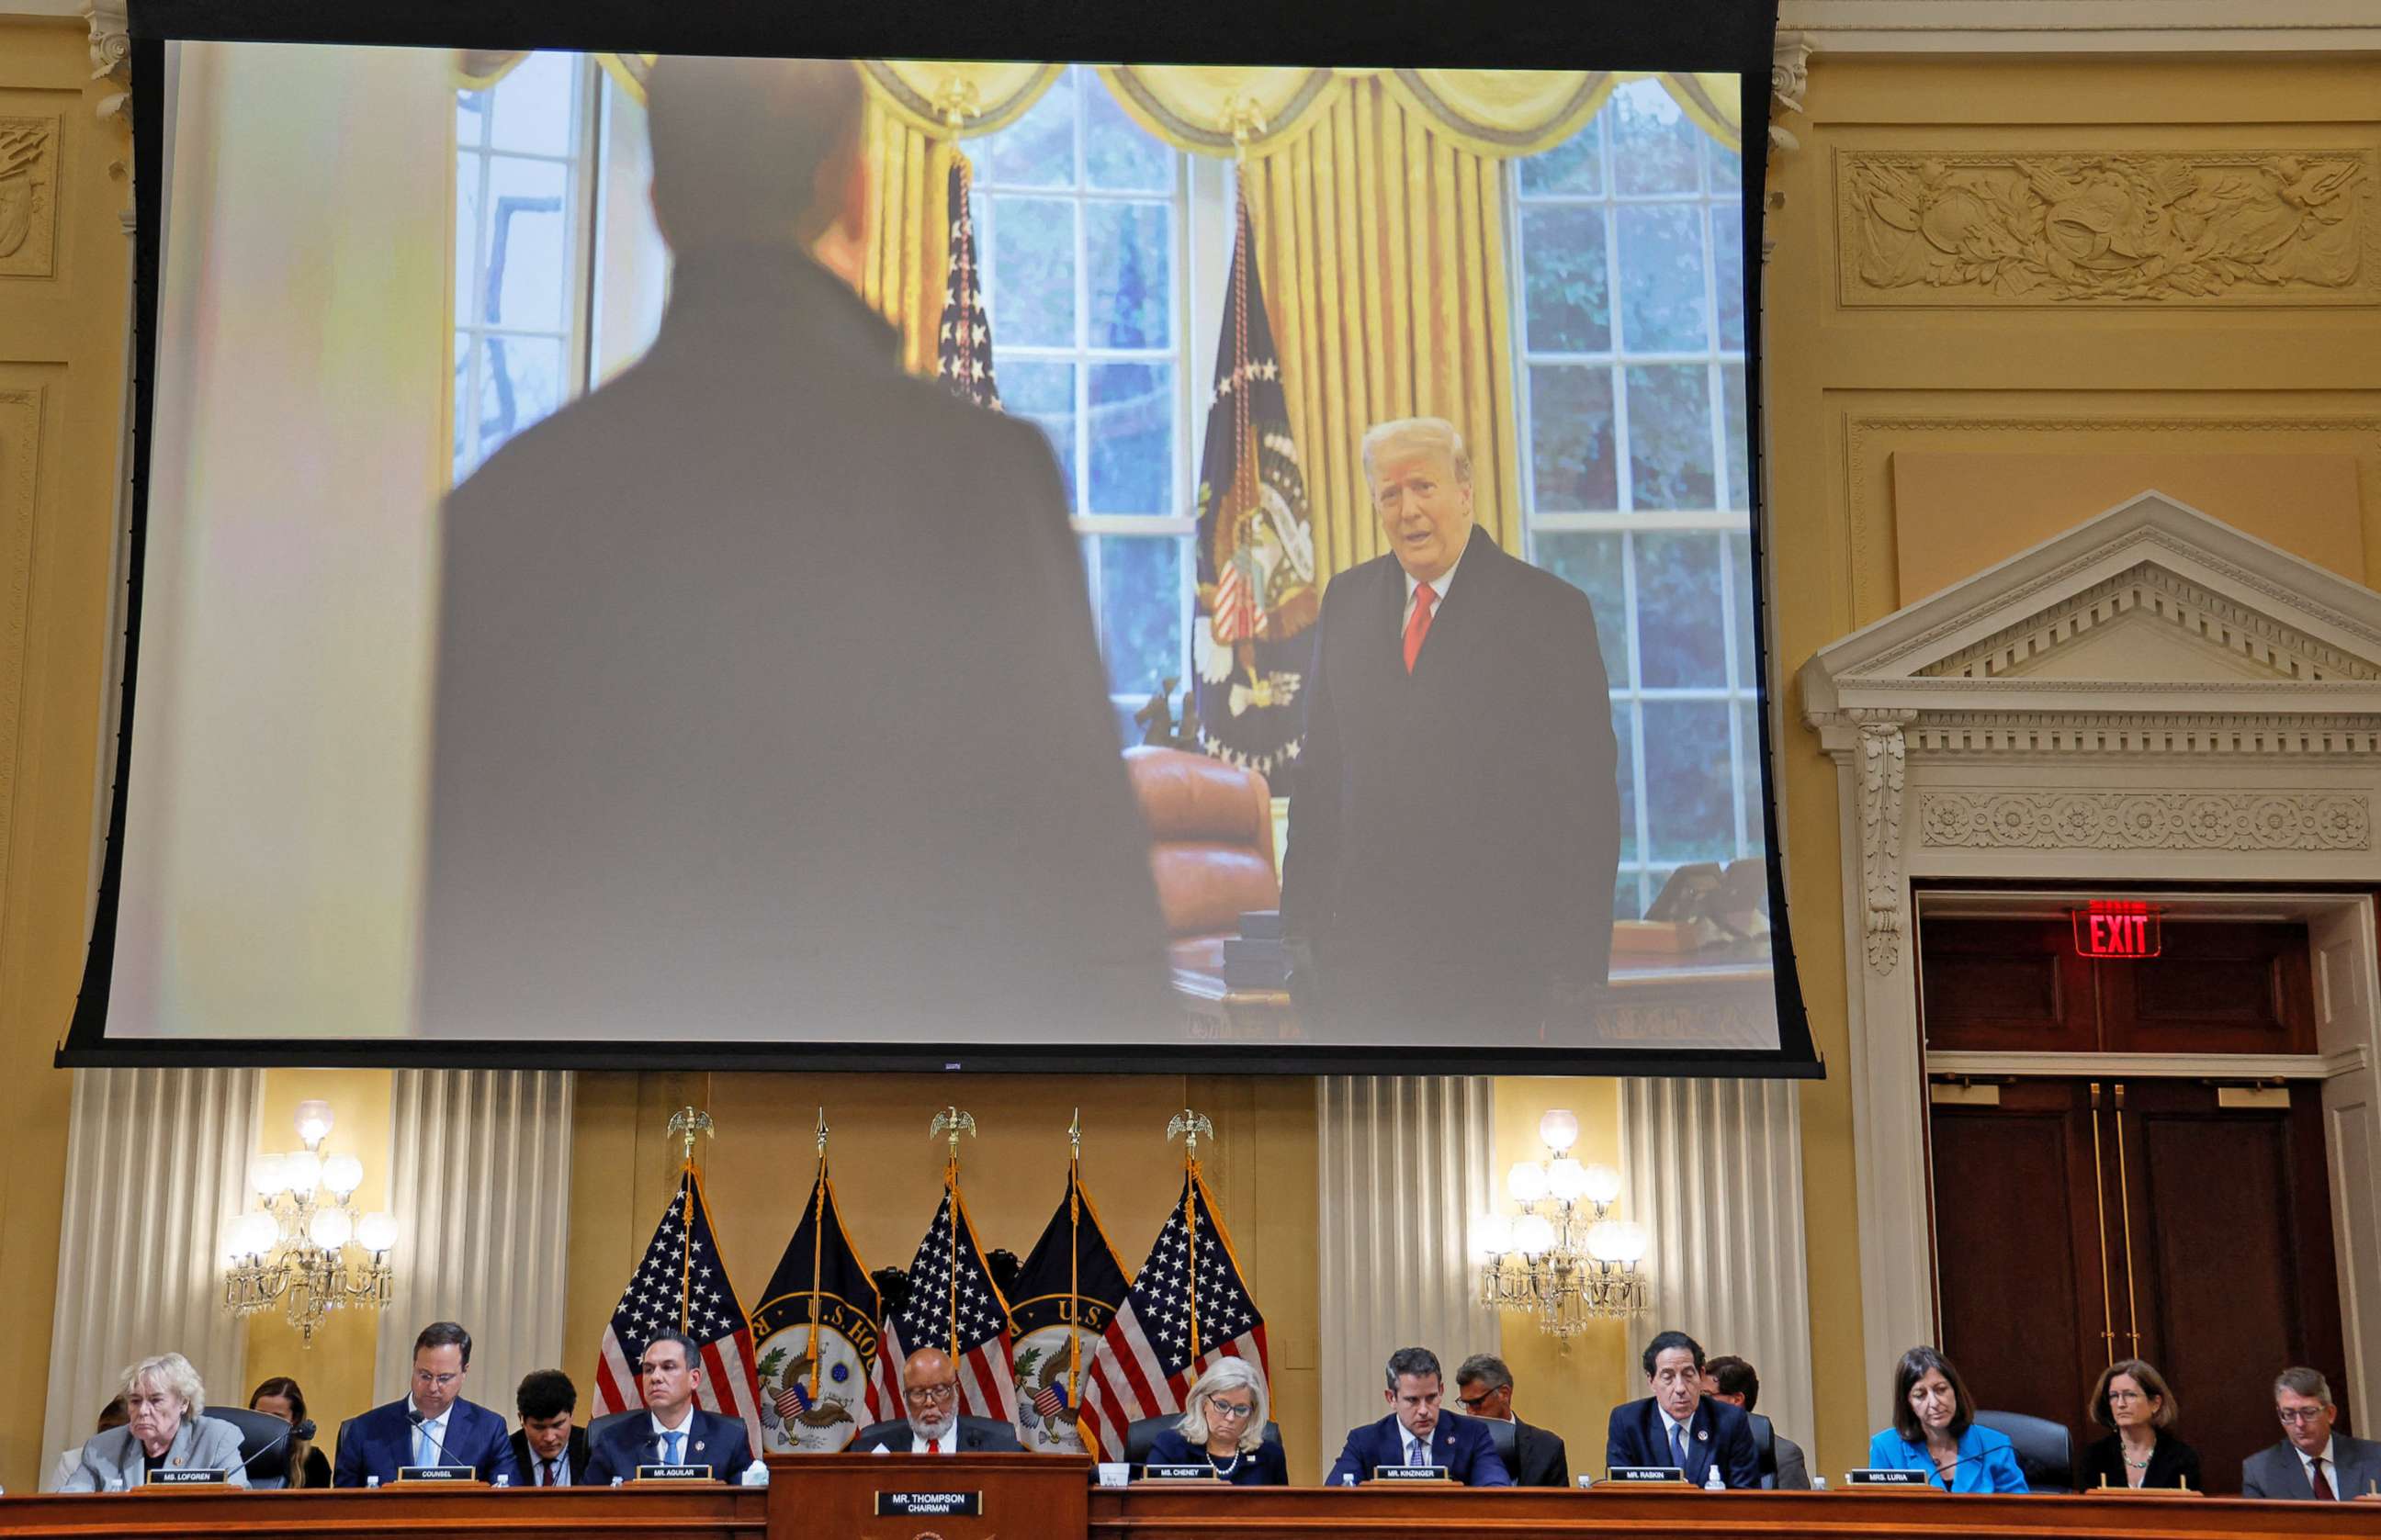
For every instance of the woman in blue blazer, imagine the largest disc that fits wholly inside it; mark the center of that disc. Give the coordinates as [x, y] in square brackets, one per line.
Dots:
[1223, 1427]
[1934, 1430]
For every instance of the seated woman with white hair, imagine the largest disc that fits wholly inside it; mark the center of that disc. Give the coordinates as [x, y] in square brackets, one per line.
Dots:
[166, 1432]
[1223, 1425]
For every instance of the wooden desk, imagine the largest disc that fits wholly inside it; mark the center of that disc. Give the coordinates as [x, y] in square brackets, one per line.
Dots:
[1311, 1512]
[568, 1514]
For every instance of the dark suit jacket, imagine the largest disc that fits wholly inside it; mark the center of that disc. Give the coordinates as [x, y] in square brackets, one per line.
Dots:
[1454, 832]
[2172, 1463]
[381, 1440]
[1718, 1431]
[1263, 1466]
[766, 674]
[713, 1440]
[574, 1456]
[977, 1435]
[2278, 1472]
[1539, 1458]
[1461, 1444]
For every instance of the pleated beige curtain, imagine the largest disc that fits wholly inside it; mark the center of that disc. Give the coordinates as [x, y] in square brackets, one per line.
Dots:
[1382, 246]
[909, 243]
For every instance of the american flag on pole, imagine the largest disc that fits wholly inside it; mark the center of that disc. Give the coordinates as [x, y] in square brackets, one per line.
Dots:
[682, 1283]
[955, 1305]
[963, 349]
[1189, 1306]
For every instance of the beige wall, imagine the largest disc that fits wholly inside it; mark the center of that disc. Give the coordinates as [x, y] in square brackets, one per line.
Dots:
[2049, 405]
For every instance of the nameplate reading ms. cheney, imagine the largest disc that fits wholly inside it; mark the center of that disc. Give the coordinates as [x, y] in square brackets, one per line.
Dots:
[921, 1505]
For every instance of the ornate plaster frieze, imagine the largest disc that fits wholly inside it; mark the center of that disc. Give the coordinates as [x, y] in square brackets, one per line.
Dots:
[1880, 766]
[2107, 736]
[111, 57]
[29, 185]
[1991, 228]
[2131, 818]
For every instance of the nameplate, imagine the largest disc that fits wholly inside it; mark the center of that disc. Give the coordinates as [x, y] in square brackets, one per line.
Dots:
[1412, 1472]
[188, 1478]
[929, 1505]
[1202, 1471]
[674, 1473]
[1645, 1474]
[1881, 1477]
[449, 1473]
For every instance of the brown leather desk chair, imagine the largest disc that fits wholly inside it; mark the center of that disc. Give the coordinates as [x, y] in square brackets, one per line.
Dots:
[1210, 848]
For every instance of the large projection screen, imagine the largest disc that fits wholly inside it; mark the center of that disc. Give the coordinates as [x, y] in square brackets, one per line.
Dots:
[753, 546]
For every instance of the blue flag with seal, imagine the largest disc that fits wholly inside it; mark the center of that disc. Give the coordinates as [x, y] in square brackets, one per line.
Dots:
[824, 1374]
[1252, 641]
[1065, 1295]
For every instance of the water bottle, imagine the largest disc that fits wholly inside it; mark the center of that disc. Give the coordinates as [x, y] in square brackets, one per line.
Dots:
[503, 1479]
[1711, 1480]
[371, 1480]
[115, 1484]
[1818, 1484]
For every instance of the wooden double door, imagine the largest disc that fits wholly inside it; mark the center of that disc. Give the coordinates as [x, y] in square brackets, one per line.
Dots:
[2081, 1220]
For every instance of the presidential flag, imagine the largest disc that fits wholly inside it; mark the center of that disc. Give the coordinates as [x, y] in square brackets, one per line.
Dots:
[824, 1372]
[1251, 641]
[682, 1283]
[963, 350]
[1062, 1300]
[1189, 1306]
[955, 1305]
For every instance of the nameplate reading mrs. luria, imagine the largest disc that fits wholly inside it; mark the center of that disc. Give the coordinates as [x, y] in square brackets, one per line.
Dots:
[1885, 1478]
[188, 1478]
[1178, 1473]
[1645, 1472]
[1412, 1472]
[673, 1472]
[935, 1505]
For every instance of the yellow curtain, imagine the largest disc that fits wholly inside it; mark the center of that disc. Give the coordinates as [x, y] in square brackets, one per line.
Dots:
[909, 244]
[1381, 248]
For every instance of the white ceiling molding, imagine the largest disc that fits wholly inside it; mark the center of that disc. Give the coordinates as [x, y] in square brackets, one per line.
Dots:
[2086, 26]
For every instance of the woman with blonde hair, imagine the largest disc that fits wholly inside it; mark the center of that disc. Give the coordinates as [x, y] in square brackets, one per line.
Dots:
[166, 1431]
[1222, 1426]
[2133, 1403]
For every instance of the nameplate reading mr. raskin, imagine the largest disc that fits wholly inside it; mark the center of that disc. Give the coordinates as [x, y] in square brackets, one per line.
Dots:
[929, 1505]
[189, 1478]
[1412, 1472]
[1645, 1472]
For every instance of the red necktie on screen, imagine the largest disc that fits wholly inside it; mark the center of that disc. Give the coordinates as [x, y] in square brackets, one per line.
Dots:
[1418, 625]
[2322, 1487]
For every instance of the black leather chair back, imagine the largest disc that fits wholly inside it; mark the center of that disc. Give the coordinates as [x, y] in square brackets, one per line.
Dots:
[1505, 1435]
[1764, 1444]
[1140, 1436]
[257, 1432]
[597, 1428]
[2046, 1452]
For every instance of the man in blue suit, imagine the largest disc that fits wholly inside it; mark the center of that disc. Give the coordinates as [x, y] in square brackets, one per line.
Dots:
[433, 1425]
[674, 1431]
[1415, 1434]
[1678, 1425]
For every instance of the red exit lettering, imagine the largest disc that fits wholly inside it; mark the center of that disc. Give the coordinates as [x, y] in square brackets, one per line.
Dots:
[2116, 928]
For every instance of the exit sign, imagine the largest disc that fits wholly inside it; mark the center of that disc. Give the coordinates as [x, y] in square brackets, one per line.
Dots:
[2117, 929]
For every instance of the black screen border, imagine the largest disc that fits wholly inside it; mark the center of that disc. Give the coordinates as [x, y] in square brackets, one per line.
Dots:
[1734, 36]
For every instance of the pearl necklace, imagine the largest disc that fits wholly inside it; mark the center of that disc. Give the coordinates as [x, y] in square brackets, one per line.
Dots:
[1224, 1470]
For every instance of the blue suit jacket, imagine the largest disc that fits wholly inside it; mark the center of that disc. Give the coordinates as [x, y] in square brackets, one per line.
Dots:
[712, 1440]
[1461, 1444]
[382, 1440]
[1987, 1460]
[1263, 1466]
[1717, 1432]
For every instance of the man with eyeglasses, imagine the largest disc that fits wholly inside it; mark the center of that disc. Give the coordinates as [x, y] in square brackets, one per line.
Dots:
[433, 1425]
[1484, 1388]
[2311, 1462]
[930, 1390]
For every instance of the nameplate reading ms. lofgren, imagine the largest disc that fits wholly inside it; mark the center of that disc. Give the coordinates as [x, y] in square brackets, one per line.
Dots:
[925, 1505]
[188, 1478]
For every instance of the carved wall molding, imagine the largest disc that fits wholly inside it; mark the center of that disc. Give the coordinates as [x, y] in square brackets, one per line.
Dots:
[1857, 427]
[20, 453]
[1882, 769]
[29, 200]
[2111, 735]
[2083, 818]
[1996, 228]
[111, 57]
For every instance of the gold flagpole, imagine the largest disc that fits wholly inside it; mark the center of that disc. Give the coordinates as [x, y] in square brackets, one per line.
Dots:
[818, 1248]
[953, 1121]
[1190, 1125]
[686, 1123]
[1075, 1260]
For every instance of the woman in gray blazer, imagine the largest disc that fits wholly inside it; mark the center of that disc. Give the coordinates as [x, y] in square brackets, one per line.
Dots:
[166, 1432]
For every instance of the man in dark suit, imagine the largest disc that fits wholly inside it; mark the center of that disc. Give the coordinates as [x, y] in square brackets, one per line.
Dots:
[1455, 828]
[930, 1389]
[2312, 1460]
[1731, 1379]
[1483, 1388]
[433, 1425]
[1415, 1434]
[767, 690]
[549, 1449]
[675, 1431]
[1678, 1425]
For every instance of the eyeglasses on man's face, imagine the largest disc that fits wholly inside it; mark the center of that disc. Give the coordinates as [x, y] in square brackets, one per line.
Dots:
[2302, 1413]
[439, 1382]
[927, 1395]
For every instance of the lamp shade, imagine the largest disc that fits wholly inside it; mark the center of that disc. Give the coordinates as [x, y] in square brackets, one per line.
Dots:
[1629, 1241]
[330, 1228]
[1565, 1178]
[1532, 1235]
[376, 1231]
[342, 1175]
[1559, 1128]
[313, 1121]
[302, 1171]
[253, 1234]
[1603, 1184]
[1526, 1182]
[1492, 1235]
[265, 1177]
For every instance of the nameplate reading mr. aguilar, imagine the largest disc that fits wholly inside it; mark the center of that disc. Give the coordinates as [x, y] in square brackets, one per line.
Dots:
[673, 1472]
[188, 1478]
[929, 1505]
[1412, 1472]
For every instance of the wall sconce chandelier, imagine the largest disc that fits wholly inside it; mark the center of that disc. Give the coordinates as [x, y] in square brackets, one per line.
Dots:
[304, 1247]
[1562, 1255]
